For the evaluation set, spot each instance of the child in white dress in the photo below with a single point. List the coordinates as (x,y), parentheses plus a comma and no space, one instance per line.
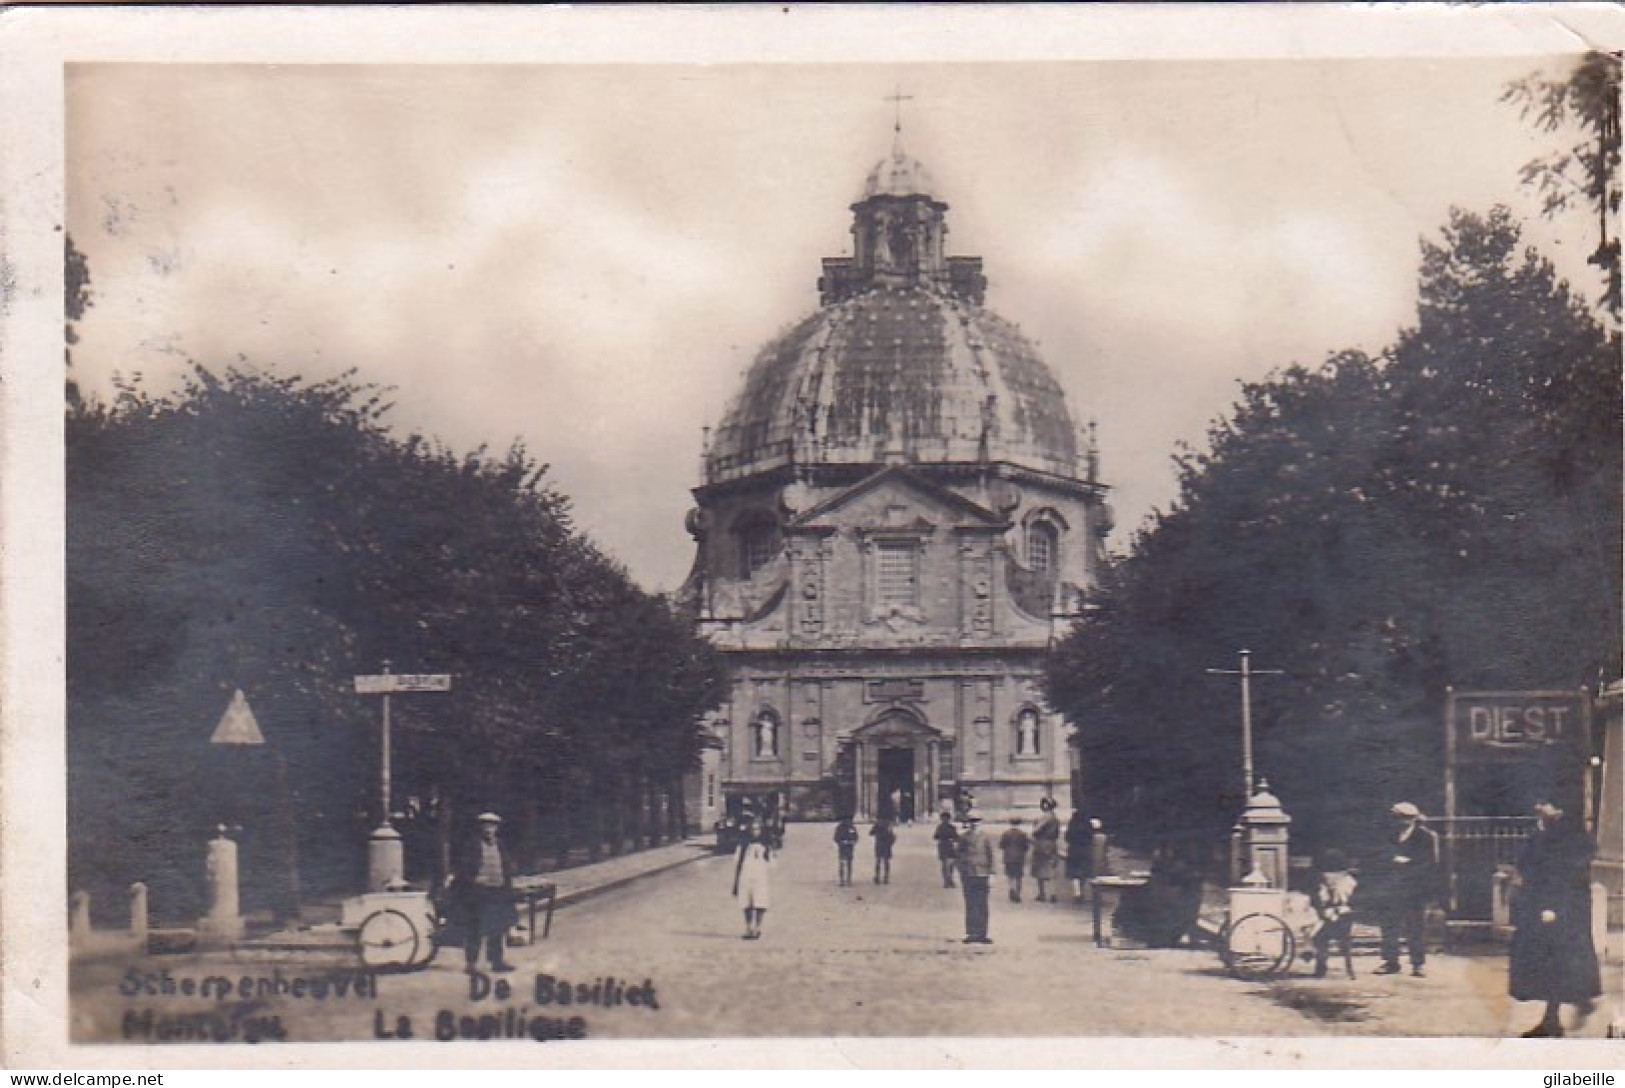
(751,883)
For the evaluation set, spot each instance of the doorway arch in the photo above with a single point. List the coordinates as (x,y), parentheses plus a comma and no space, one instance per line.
(896,765)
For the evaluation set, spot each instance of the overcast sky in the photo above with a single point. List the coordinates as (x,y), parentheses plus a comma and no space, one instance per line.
(586,258)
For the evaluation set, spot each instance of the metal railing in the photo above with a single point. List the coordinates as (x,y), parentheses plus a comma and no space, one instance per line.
(1473,846)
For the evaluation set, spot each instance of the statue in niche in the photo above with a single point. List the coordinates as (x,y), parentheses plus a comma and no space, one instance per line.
(1027,733)
(883,257)
(767,736)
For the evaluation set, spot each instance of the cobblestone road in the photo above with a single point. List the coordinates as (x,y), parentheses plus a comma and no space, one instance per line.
(861,961)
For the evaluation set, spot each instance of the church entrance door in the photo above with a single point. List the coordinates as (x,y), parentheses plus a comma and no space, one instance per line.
(896,784)
(895,769)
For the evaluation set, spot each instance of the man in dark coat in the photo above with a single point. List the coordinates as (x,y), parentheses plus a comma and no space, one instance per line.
(482,895)
(1408,872)
(1553,959)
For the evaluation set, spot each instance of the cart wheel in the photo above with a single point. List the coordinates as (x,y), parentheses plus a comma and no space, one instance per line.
(429,944)
(1258,946)
(388,940)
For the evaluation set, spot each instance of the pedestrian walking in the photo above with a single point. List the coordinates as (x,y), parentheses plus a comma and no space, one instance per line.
(752,877)
(1407,873)
(947,840)
(481,896)
(1333,900)
(1046,849)
(846,845)
(1013,847)
(975,877)
(1079,853)
(885,837)
(1553,958)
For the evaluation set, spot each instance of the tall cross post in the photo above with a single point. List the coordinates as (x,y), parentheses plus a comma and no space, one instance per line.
(1246,672)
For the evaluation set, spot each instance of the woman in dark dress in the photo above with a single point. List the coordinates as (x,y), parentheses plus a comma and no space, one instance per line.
(1552,955)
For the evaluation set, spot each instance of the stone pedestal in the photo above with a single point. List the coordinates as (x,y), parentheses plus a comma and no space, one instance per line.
(224,922)
(386,860)
(1267,838)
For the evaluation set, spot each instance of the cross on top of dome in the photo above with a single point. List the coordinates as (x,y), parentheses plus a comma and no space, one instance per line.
(898,174)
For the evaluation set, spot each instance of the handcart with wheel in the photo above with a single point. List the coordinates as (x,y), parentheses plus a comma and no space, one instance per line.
(395,930)
(403,929)
(1268,929)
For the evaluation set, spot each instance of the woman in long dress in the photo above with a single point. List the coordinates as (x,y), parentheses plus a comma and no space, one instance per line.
(1553,959)
(1046,849)
(752,869)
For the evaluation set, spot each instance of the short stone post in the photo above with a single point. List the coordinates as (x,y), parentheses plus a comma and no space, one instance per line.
(138,913)
(1501,901)
(1099,850)
(224,922)
(1599,920)
(79,916)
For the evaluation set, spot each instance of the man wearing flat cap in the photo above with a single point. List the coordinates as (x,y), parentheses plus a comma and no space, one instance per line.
(975,876)
(1409,867)
(482,895)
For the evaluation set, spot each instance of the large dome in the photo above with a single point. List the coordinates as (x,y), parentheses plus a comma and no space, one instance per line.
(902,360)
(894,369)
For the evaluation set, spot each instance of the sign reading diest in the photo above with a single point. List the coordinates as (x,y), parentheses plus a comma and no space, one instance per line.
(1493,726)
(390,683)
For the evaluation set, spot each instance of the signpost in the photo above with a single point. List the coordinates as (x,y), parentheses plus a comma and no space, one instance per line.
(386,861)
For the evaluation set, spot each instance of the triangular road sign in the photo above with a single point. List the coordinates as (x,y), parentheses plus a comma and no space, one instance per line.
(237,724)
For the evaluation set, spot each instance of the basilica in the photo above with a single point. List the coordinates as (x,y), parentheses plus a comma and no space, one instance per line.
(897,515)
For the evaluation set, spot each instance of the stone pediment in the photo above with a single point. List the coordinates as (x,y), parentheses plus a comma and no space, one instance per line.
(896,499)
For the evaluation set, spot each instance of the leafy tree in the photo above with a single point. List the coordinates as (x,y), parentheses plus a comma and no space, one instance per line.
(1588,170)
(266,533)
(1377,529)
(76,299)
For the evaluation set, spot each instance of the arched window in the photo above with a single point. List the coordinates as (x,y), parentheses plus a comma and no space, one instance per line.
(1027,732)
(1043,547)
(765,736)
(758,544)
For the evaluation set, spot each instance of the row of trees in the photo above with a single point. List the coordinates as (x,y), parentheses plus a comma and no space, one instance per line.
(1447,513)
(272,534)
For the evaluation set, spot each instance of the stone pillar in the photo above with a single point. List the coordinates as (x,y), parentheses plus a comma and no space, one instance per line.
(138,913)
(1608,868)
(224,922)
(1501,901)
(1267,837)
(79,916)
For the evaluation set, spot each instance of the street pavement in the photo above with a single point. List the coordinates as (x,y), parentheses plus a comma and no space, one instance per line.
(666,954)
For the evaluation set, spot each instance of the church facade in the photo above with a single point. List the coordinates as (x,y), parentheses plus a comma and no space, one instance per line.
(897,515)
